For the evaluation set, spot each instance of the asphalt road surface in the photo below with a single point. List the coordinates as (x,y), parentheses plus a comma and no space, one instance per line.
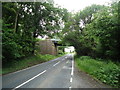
(57,73)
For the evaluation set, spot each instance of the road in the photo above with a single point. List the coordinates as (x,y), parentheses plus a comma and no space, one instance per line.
(57,73)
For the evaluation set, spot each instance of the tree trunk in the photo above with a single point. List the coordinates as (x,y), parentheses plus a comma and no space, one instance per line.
(16,22)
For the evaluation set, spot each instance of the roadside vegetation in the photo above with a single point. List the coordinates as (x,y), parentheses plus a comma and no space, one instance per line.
(22,23)
(104,70)
(27,62)
(94,32)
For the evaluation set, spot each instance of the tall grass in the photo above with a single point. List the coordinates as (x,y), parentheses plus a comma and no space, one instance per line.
(106,71)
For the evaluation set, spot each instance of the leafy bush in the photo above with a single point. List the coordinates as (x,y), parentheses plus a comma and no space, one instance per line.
(10,48)
(109,74)
(106,71)
(14,46)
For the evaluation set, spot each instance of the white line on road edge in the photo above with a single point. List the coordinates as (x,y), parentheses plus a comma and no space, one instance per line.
(56,63)
(29,80)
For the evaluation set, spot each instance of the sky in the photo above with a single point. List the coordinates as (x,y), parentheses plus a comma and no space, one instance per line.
(76,5)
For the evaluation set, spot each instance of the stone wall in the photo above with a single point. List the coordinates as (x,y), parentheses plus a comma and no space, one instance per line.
(46,47)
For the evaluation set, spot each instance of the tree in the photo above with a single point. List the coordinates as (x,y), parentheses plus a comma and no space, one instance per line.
(106,29)
(23,22)
(78,35)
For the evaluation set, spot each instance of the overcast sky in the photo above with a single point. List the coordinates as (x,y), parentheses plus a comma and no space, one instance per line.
(79,4)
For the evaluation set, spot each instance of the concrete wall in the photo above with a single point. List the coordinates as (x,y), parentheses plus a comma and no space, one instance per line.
(46,47)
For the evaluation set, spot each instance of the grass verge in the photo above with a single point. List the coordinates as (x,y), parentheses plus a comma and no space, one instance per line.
(104,70)
(27,62)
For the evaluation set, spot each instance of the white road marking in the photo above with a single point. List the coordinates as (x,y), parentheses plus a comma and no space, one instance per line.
(70,88)
(72,71)
(72,68)
(56,63)
(67,62)
(34,66)
(66,67)
(29,80)
(71,79)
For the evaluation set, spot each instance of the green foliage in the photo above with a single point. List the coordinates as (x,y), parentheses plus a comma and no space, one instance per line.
(109,74)
(95,31)
(108,31)
(26,62)
(98,37)
(11,49)
(23,22)
(106,71)
(77,35)
(14,46)
(61,49)
(86,14)
(81,42)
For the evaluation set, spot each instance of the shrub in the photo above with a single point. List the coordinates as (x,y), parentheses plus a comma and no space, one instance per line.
(109,74)
(105,70)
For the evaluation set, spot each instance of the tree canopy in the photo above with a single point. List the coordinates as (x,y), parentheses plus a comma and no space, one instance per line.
(23,22)
(96,31)
(93,31)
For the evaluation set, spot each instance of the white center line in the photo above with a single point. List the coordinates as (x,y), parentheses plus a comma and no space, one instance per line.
(72,67)
(67,61)
(56,63)
(69,88)
(71,79)
(72,71)
(29,80)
